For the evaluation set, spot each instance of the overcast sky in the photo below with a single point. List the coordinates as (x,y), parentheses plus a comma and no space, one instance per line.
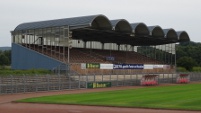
(176,14)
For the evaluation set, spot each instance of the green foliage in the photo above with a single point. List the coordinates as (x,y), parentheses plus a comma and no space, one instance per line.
(4,60)
(5,57)
(186,97)
(7,72)
(190,49)
(196,69)
(186,62)
(7,53)
(181,69)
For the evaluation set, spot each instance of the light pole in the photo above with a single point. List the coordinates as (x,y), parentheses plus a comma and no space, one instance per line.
(69,44)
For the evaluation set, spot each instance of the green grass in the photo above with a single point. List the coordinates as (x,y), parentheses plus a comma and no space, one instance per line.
(186,97)
(8,72)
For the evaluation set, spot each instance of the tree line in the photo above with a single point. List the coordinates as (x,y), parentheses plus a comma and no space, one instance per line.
(5,58)
(188,55)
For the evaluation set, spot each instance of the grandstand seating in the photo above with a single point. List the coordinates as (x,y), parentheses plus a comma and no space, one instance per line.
(81,55)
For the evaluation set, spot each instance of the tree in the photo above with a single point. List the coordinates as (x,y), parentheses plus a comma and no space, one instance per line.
(7,53)
(186,62)
(190,49)
(4,60)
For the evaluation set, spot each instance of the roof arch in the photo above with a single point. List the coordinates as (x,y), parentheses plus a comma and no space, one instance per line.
(183,36)
(140,29)
(121,25)
(156,31)
(93,21)
(170,34)
(101,22)
(118,31)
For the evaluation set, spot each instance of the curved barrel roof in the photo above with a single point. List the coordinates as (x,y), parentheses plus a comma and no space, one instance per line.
(156,31)
(170,34)
(120,31)
(183,36)
(140,29)
(94,21)
(121,25)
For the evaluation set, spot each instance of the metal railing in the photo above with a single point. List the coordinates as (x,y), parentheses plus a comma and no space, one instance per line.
(35,83)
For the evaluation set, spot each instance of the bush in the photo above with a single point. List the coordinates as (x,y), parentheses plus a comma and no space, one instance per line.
(5,72)
(186,62)
(181,69)
(196,69)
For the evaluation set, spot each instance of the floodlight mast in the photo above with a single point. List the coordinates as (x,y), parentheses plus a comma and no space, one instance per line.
(69,44)
(68,36)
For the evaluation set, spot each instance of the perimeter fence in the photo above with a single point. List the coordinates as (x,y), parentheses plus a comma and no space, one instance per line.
(36,83)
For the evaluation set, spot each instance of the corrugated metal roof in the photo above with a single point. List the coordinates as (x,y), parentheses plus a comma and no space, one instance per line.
(121,25)
(170,34)
(124,31)
(75,22)
(183,36)
(156,31)
(140,28)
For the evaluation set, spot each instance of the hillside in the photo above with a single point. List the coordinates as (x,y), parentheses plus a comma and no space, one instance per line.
(5,48)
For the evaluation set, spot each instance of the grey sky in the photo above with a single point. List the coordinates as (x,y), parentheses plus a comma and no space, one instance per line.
(177,14)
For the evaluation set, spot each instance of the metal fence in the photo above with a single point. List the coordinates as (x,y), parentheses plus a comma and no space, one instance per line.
(35,83)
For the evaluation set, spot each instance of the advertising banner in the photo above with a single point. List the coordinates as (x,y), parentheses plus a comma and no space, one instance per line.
(158,66)
(106,66)
(83,65)
(128,66)
(166,67)
(99,84)
(110,58)
(148,66)
(92,65)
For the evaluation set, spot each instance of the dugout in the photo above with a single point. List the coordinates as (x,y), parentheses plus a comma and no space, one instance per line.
(183,78)
(149,80)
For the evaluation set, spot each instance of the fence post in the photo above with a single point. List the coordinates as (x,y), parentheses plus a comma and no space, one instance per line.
(24,82)
(110,78)
(172,78)
(117,80)
(102,77)
(168,78)
(124,80)
(86,81)
(15,87)
(69,75)
(48,82)
(36,78)
(94,78)
(130,77)
(59,82)
(0,85)
(79,82)
(11,84)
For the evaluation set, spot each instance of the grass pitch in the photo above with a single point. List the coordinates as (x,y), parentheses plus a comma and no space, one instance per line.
(185,97)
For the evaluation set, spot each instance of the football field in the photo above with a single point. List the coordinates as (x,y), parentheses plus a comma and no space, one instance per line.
(185,97)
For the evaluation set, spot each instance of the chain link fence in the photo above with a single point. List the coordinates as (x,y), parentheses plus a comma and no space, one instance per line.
(35,83)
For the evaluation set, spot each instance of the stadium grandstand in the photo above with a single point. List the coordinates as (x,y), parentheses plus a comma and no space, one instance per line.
(95,44)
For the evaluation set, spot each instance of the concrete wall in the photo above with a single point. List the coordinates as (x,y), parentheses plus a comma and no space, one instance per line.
(24,58)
